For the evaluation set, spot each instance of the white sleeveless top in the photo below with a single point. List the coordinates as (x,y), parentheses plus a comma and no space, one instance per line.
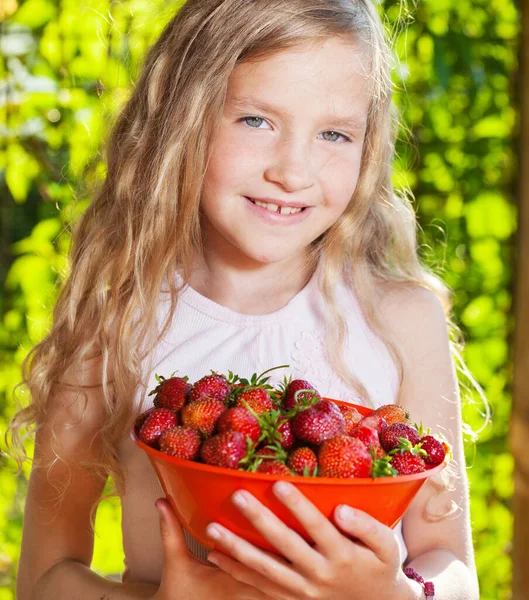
(205,335)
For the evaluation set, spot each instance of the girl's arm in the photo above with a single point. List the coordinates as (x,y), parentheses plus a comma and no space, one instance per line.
(439,549)
(57,540)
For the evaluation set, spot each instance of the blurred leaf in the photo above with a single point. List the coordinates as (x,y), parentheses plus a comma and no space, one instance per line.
(35,13)
(490,214)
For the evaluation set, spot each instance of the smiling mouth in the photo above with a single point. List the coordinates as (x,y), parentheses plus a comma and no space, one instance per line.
(274,208)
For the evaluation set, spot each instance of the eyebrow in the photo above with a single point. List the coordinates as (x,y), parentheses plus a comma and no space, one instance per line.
(355,122)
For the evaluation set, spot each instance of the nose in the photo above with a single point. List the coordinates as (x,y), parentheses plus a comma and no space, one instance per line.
(291,166)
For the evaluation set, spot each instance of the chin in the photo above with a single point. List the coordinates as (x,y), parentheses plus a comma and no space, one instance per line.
(270,257)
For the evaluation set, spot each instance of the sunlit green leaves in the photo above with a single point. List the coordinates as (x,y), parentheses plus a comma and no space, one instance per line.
(35,13)
(492,214)
(21,170)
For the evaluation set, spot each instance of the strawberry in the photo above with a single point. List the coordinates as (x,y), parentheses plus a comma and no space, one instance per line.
(286,434)
(367,435)
(213,386)
(155,424)
(276,429)
(171,393)
(351,416)
(318,423)
(344,457)
(382,467)
(255,398)
(292,397)
(240,419)
(303,461)
(272,452)
(203,415)
(380,453)
(374,421)
(390,436)
(273,467)
(393,413)
(226,449)
(181,442)
(407,463)
(255,395)
(140,419)
(435,450)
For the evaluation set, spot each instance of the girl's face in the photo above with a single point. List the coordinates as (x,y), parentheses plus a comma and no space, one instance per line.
(291,137)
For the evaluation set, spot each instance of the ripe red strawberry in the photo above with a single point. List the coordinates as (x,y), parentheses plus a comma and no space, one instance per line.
(286,435)
(255,398)
(290,399)
(155,424)
(303,461)
(140,419)
(393,413)
(389,437)
(380,453)
(374,421)
(273,467)
(225,449)
(407,463)
(276,429)
(181,442)
(273,452)
(213,386)
(351,416)
(203,415)
(318,423)
(240,419)
(344,457)
(171,393)
(435,450)
(367,435)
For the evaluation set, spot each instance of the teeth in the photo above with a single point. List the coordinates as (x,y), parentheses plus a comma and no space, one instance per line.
(283,210)
(287,210)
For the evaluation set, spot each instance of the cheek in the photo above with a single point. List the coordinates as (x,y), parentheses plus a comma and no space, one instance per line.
(233,159)
(338,179)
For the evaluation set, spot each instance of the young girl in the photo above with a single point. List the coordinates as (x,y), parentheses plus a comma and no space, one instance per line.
(247,220)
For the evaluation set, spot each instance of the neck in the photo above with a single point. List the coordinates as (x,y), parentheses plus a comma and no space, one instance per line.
(247,286)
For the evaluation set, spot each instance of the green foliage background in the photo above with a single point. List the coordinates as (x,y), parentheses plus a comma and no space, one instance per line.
(67,67)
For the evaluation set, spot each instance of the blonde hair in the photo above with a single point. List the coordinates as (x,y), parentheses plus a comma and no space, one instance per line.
(124,250)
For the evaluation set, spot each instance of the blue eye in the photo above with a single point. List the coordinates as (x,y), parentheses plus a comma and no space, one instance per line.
(255,125)
(335,133)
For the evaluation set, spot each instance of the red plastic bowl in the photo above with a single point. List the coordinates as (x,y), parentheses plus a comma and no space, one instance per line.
(200,494)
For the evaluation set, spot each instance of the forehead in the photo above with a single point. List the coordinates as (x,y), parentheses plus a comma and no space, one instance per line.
(330,76)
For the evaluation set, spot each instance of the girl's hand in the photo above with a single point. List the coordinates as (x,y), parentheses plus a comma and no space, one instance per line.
(336,567)
(186,578)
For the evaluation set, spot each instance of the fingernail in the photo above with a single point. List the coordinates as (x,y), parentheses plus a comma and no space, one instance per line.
(213,532)
(345,513)
(282,488)
(213,560)
(158,505)
(239,499)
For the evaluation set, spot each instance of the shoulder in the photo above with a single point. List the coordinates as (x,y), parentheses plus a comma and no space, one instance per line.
(405,299)
(412,314)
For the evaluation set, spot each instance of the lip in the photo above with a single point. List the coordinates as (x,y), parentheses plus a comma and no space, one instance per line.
(275,218)
(279,202)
